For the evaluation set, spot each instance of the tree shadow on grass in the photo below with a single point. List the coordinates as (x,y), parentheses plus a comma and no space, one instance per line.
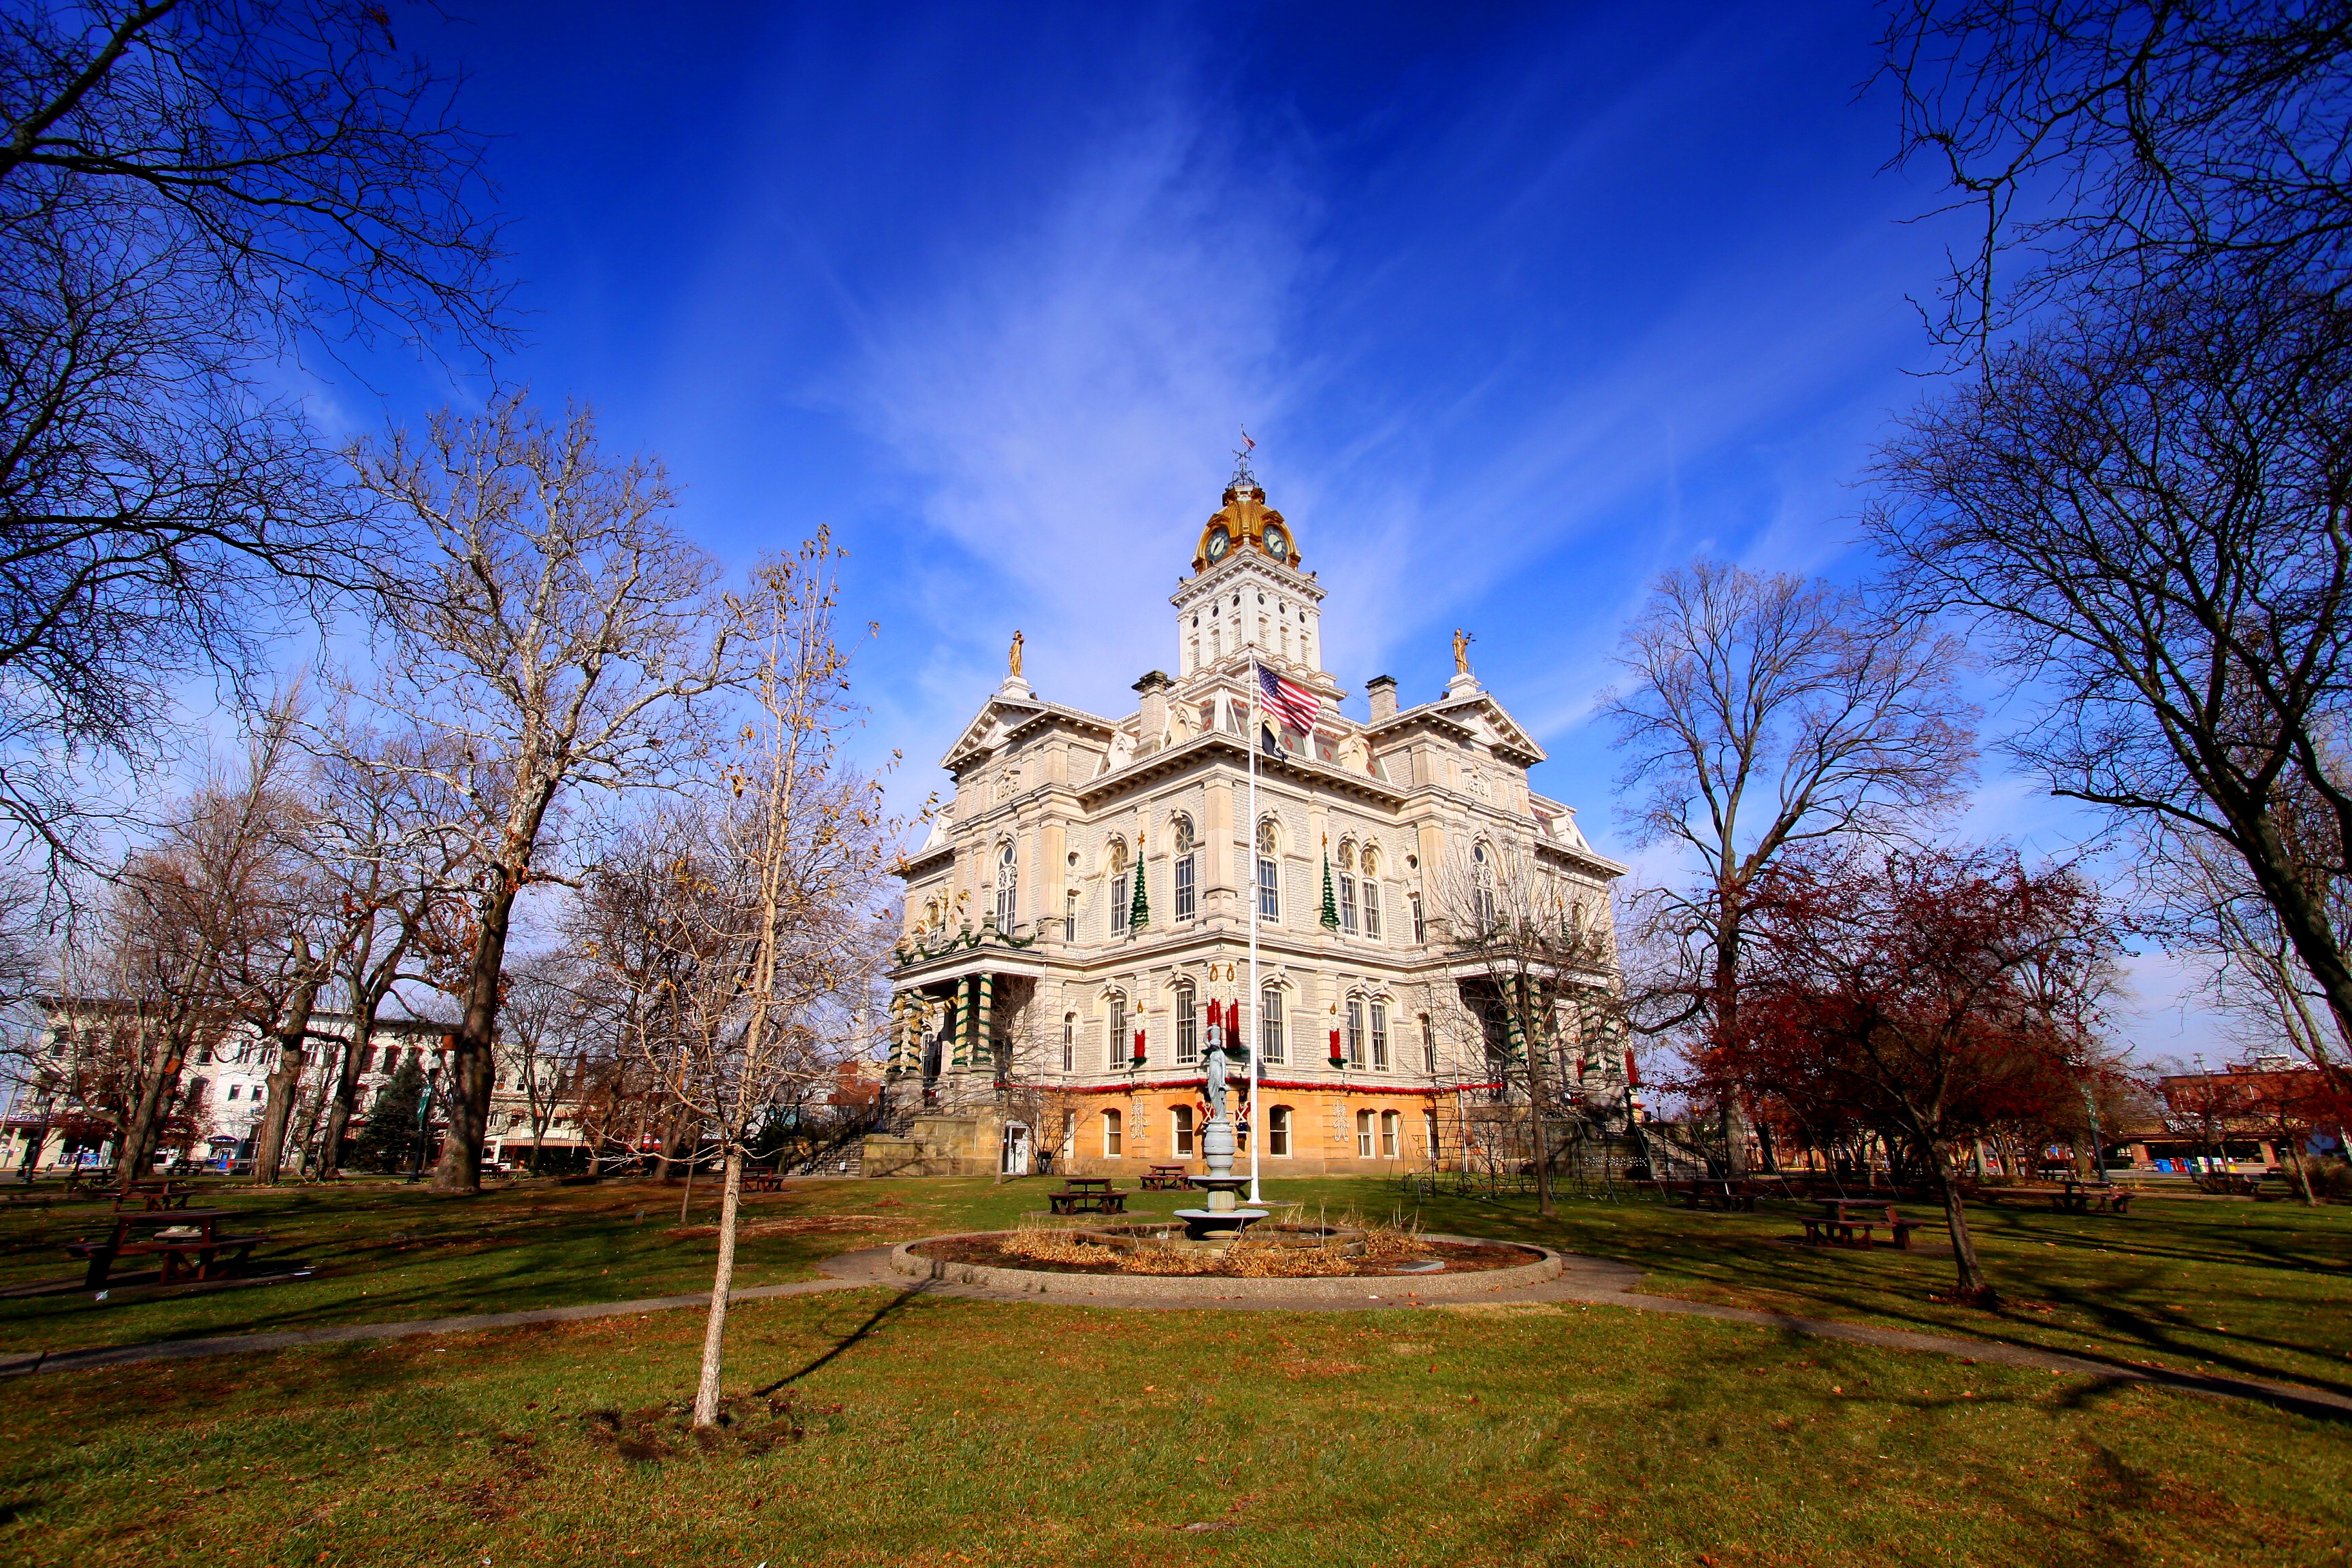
(840,1347)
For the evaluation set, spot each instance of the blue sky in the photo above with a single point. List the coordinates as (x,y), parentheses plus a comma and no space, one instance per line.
(1522,304)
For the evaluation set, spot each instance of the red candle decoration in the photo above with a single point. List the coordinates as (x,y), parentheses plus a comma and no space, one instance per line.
(1138,1045)
(1335,1047)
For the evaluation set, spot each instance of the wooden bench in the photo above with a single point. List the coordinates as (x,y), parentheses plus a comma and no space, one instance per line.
(1166,1179)
(1839,1227)
(1087,1201)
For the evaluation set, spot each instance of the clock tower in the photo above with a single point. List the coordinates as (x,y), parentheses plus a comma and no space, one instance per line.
(1247,596)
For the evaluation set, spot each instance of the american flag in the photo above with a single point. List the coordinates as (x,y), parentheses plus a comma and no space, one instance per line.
(1288,701)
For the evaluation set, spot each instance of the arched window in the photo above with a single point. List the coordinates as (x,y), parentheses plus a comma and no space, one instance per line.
(1363,1135)
(1008,886)
(1269,886)
(1269,1024)
(1117,1031)
(1347,854)
(1380,1037)
(1188,1027)
(1348,885)
(1355,1031)
(1482,888)
(1180,1125)
(1069,1042)
(1277,1131)
(1111,1141)
(1186,864)
(1119,888)
(1389,1134)
(1371,862)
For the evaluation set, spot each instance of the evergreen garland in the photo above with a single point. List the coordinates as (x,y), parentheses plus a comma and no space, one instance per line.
(1139,912)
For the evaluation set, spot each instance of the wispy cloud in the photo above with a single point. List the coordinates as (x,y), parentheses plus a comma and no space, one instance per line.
(1066,401)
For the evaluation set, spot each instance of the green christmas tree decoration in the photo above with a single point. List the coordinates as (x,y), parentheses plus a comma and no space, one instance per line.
(1139,913)
(1330,916)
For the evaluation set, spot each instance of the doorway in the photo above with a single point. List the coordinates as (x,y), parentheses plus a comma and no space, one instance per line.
(1012,1151)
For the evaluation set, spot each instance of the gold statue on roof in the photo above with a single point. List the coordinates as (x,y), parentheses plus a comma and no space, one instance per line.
(1012,655)
(1461,651)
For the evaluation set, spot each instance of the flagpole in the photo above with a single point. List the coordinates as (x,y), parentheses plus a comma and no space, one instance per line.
(1257,1038)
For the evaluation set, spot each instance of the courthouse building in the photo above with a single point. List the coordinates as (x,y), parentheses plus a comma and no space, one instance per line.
(1080,913)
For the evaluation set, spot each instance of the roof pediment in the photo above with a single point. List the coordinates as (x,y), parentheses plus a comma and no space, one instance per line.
(1006,715)
(1473,713)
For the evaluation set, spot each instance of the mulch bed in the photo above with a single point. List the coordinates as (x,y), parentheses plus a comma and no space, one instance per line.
(988,1251)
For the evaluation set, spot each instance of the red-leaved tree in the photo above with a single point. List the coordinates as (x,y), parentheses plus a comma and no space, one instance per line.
(1932,995)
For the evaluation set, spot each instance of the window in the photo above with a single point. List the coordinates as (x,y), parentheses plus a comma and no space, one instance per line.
(1277,1131)
(1118,1033)
(1118,887)
(1363,1134)
(1428,1135)
(1180,1124)
(1269,895)
(1187,863)
(1482,888)
(1380,1037)
(1069,1042)
(203,1056)
(1372,909)
(1008,886)
(1070,916)
(1388,1134)
(1419,926)
(1371,862)
(1188,1027)
(1355,1032)
(1269,1024)
(261,1092)
(1428,1045)
(1347,903)
(1110,1134)
(235,1090)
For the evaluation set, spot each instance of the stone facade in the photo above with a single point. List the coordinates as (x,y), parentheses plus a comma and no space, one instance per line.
(1044,1001)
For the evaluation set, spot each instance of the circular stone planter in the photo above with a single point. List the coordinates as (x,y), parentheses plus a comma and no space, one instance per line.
(1542,1264)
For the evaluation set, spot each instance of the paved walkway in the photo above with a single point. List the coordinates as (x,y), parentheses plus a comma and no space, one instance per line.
(1589,1280)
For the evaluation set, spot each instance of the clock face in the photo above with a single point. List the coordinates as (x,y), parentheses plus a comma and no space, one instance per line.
(1219,543)
(1277,544)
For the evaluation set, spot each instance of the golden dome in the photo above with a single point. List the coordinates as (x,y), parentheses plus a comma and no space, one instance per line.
(1245,521)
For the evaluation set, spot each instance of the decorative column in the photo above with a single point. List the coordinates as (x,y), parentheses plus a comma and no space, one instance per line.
(984,1035)
(959,1006)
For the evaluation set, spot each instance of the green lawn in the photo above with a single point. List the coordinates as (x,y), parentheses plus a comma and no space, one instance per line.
(2256,1288)
(946,1432)
(939,1431)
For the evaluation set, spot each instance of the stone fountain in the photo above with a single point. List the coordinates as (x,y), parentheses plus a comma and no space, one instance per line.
(1222,1222)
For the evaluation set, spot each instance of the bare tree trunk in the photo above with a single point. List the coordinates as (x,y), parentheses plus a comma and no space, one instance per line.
(1538,1044)
(714,1331)
(284,1080)
(306,1141)
(1972,1287)
(140,1139)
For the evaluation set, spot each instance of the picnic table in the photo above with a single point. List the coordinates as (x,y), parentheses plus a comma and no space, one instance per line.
(762,1182)
(2228,1184)
(152,1195)
(1723,1195)
(206,1254)
(2072,1198)
(1850,1222)
(1087,1194)
(1166,1179)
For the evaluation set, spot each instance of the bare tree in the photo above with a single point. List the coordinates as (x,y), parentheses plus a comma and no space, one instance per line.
(2144,509)
(1760,714)
(553,637)
(2098,149)
(1535,945)
(545,1015)
(191,192)
(772,893)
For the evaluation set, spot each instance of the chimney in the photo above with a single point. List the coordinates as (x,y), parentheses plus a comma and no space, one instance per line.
(1380,690)
(1154,688)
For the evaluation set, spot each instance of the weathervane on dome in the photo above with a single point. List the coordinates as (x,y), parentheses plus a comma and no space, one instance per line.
(1243,473)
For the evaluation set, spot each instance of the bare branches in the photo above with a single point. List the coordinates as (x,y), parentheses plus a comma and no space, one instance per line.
(2110,147)
(190,192)
(552,636)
